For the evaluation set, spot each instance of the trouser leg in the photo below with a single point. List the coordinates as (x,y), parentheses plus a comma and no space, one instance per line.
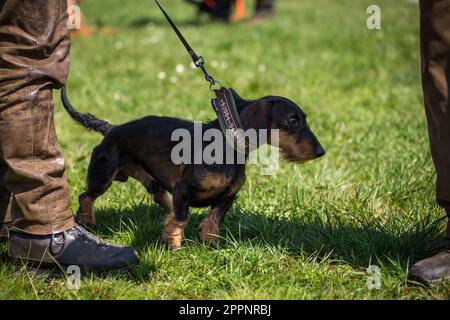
(223,9)
(435,50)
(265,6)
(447,232)
(5,195)
(34,59)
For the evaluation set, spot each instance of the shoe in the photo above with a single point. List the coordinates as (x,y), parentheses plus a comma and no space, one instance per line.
(433,269)
(74,246)
(437,267)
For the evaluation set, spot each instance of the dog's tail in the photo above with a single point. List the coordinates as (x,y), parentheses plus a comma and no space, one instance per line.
(87,120)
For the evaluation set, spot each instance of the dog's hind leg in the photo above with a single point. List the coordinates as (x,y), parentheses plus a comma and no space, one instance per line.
(160,195)
(163,198)
(173,233)
(101,173)
(209,228)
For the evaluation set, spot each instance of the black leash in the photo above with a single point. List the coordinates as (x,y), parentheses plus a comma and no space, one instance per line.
(224,104)
(198,60)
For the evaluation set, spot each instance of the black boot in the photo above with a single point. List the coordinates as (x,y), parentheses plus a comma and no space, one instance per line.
(75,246)
(435,268)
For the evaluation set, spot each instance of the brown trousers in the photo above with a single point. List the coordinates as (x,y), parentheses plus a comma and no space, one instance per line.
(34,59)
(435,49)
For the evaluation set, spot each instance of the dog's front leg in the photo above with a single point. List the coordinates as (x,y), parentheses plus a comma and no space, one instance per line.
(173,233)
(209,228)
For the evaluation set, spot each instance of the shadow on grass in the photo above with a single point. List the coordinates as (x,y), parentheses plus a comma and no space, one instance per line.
(357,244)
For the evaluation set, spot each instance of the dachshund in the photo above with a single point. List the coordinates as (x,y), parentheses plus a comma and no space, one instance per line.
(142,149)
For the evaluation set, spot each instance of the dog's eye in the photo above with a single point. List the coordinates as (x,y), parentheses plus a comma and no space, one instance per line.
(294,120)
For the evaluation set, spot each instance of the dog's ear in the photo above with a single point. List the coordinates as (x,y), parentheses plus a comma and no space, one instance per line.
(237,98)
(241,103)
(257,115)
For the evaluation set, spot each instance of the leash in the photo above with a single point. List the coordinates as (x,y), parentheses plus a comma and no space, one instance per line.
(198,60)
(223,104)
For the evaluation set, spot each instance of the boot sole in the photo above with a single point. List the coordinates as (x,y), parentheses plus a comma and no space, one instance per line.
(427,282)
(58,271)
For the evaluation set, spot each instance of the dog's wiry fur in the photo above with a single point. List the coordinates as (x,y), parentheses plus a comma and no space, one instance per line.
(141,149)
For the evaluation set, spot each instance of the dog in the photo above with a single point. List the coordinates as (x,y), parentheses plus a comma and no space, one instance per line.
(141,149)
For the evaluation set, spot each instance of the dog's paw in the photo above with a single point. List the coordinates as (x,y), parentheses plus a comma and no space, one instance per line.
(173,233)
(209,240)
(208,232)
(87,220)
(172,244)
(173,247)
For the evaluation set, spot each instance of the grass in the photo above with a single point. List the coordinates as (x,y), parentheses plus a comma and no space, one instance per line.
(310,231)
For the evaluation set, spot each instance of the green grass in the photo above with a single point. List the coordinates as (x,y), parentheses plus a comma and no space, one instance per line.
(308,232)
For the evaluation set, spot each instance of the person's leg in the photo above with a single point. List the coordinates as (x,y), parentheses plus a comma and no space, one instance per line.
(264,9)
(216,9)
(222,10)
(435,50)
(28,144)
(435,45)
(447,232)
(5,195)
(34,59)
(78,23)
(239,13)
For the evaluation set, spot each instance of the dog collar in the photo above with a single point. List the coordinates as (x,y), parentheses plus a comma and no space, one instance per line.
(229,120)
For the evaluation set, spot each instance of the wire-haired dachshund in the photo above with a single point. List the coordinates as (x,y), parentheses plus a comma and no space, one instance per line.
(142,148)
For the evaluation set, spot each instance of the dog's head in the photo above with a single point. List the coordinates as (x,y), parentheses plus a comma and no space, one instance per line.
(296,140)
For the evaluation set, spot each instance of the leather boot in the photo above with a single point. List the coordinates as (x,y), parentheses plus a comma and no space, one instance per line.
(435,268)
(74,246)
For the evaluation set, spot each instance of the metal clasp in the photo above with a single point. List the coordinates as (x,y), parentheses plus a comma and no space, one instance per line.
(200,63)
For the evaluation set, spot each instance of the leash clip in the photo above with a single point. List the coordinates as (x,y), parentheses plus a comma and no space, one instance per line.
(200,63)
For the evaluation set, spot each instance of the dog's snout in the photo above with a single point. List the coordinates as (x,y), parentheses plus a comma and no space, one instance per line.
(319,150)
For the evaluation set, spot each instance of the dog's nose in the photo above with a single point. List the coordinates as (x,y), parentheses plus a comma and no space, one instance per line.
(319,151)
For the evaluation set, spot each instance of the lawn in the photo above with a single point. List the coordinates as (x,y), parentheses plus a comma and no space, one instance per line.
(307,232)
